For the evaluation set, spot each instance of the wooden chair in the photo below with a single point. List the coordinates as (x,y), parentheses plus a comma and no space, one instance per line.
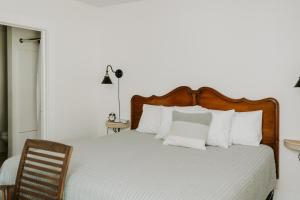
(41,173)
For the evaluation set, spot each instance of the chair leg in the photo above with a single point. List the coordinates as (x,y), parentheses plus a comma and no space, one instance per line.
(3,194)
(10,193)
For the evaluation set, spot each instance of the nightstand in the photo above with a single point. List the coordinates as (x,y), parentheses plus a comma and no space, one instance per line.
(293,145)
(117,126)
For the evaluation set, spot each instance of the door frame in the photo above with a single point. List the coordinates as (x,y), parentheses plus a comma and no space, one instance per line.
(44,76)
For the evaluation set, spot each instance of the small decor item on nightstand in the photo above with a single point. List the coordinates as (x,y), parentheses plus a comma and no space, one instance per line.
(112,117)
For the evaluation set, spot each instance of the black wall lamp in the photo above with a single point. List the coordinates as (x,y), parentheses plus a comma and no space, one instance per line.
(106,80)
(298,83)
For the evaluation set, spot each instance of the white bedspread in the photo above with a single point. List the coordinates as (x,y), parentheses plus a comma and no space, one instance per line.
(138,167)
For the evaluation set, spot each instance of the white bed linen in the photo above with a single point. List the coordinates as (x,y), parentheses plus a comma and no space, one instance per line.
(139,167)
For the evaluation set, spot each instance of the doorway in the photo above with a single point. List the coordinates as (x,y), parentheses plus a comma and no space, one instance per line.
(20,88)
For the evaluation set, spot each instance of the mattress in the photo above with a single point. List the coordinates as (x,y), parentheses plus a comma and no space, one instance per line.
(133,166)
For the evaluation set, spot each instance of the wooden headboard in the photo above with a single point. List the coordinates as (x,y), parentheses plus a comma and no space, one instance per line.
(212,99)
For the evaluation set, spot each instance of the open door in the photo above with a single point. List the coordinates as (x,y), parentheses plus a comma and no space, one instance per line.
(23,88)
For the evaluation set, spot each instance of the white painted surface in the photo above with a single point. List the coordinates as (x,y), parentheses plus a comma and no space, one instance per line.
(22,59)
(241,48)
(106,2)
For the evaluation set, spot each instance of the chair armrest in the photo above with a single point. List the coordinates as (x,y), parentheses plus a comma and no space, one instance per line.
(6,186)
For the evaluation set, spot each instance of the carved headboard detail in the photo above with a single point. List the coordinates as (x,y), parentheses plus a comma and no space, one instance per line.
(212,99)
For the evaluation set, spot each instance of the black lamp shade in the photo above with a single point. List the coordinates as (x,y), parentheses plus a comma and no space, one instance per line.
(298,83)
(106,80)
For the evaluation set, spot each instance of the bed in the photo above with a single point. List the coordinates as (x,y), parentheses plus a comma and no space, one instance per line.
(135,166)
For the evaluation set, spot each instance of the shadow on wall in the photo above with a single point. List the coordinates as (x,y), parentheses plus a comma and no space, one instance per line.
(3,95)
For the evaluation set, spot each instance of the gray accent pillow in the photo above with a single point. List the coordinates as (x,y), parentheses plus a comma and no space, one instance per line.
(201,118)
(192,125)
(189,129)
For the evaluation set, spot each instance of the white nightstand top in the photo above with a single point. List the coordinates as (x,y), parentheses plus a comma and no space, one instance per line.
(119,125)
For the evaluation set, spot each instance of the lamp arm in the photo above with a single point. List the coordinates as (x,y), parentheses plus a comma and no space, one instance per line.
(107,68)
(118,73)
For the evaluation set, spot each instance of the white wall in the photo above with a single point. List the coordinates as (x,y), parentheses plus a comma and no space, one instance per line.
(106,2)
(72,60)
(241,48)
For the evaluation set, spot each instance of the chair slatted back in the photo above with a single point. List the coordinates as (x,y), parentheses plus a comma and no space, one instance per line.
(42,170)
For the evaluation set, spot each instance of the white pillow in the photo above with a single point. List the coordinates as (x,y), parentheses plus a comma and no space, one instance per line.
(150,120)
(166,117)
(247,128)
(219,132)
(166,122)
(189,130)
